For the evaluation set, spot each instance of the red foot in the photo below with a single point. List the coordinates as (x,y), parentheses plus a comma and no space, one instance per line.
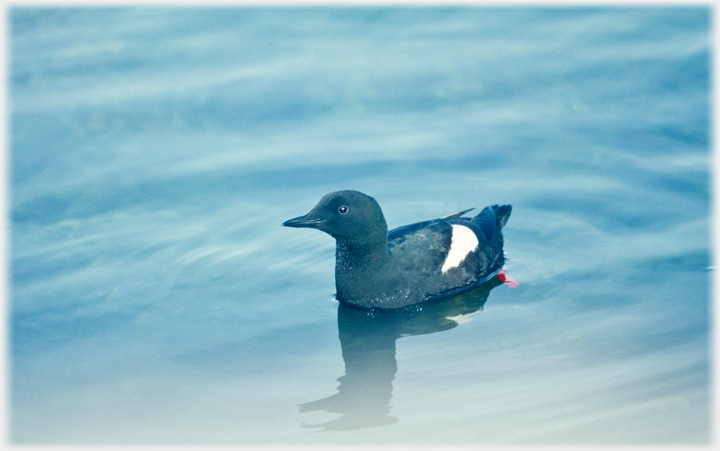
(506,279)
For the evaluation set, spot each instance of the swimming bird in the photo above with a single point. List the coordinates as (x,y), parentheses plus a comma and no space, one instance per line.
(411,264)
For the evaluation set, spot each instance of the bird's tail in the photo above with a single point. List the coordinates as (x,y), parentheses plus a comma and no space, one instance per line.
(502,214)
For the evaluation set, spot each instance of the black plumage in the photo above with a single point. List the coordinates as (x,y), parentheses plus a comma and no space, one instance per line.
(410,264)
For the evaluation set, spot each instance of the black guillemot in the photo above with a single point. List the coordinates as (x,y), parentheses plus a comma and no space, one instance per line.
(411,264)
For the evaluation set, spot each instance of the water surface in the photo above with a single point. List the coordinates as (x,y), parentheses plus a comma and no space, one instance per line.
(154,153)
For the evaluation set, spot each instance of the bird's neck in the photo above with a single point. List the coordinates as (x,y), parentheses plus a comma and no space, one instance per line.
(359,269)
(366,255)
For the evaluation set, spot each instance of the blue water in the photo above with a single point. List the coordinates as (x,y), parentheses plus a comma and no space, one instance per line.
(154,153)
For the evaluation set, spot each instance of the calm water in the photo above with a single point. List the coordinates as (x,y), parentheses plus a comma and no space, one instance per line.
(154,153)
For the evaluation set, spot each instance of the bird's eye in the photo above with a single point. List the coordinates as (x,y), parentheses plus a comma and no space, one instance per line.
(342,209)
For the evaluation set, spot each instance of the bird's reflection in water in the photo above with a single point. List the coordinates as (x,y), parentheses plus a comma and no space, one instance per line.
(368,340)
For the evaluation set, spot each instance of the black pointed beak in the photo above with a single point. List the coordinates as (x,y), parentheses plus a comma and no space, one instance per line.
(303,221)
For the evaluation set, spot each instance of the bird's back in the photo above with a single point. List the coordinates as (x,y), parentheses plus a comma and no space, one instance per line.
(441,257)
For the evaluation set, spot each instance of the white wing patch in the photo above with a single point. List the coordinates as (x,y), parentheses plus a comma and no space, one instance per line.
(463,242)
